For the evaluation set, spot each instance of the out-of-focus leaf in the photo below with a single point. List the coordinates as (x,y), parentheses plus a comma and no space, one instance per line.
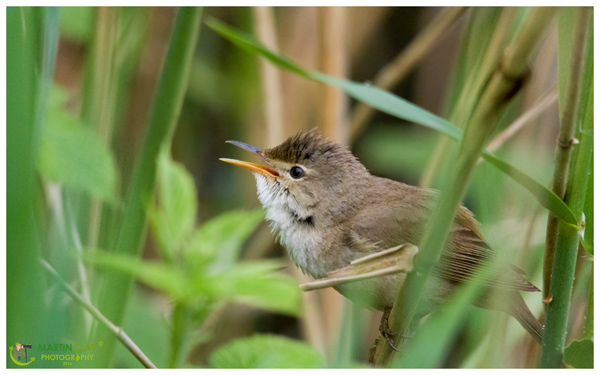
(72,155)
(395,106)
(142,313)
(77,23)
(173,220)
(266,351)
(161,276)
(256,284)
(220,239)
(580,354)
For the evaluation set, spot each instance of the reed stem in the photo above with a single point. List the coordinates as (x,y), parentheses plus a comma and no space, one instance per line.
(567,238)
(564,143)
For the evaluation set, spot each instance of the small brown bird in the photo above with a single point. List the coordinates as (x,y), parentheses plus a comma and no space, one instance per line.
(329,210)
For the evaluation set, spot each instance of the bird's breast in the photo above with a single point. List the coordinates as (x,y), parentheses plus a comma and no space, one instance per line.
(300,238)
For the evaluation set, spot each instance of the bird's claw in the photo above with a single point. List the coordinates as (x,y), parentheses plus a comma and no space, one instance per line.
(387,333)
(384,329)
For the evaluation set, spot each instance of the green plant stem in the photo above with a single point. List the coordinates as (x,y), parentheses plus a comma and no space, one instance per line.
(24,285)
(470,93)
(179,330)
(117,331)
(567,244)
(504,83)
(165,111)
(565,140)
(398,69)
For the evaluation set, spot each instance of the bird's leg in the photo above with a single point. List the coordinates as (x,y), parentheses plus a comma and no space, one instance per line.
(384,328)
(387,333)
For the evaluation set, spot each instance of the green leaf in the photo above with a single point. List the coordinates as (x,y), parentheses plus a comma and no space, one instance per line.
(219,241)
(257,284)
(580,354)
(266,351)
(72,155)
(251,45)
(395,106)
(391,104)
(545,196)
(158,275)
(174,217)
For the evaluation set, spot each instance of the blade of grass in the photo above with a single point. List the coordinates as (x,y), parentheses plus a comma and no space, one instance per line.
(163,118)
(31,49)
(395,106)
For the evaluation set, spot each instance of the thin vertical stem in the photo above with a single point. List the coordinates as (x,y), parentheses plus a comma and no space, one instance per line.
(335,64)
(264,26)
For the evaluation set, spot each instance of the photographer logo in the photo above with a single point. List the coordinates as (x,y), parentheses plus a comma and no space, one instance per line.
(18,354)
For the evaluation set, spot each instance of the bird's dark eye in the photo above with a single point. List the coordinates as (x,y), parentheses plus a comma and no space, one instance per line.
(297,172)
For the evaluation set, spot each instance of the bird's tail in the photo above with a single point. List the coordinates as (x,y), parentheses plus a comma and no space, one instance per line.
(524,316)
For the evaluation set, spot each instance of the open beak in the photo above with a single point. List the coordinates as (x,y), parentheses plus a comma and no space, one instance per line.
(253,167)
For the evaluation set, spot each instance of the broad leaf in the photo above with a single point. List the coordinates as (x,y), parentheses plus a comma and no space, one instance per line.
(219,240)
(257,284)
(174,217)
(580,354)
(266,351)
(158,275)
(73,155)
(393,105)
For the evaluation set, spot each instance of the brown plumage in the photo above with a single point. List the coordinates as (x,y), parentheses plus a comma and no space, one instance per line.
(328,210)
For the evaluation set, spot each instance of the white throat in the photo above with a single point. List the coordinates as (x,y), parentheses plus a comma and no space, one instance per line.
(293,225)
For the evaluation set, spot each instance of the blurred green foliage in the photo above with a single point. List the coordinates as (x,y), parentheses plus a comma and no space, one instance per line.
(266,351)
(201,268)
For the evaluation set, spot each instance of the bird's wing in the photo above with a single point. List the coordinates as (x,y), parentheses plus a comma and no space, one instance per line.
(466,251)
(389,224)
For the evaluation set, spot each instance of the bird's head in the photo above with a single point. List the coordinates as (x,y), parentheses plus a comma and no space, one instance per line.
(307,174)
